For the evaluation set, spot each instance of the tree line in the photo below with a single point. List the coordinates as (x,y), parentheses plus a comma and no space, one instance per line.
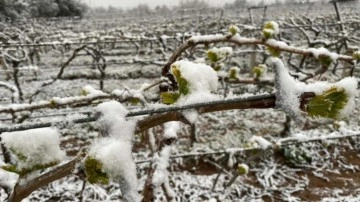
(13,9)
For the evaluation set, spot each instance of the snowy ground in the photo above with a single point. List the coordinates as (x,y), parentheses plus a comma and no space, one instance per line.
(324,170)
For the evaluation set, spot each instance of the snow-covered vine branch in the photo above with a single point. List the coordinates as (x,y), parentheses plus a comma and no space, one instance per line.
(241,41)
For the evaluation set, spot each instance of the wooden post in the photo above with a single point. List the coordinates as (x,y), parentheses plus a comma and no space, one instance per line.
(339,20)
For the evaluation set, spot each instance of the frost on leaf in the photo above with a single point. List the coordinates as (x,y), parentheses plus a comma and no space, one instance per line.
(331,100)
(216,54)
(33,149)
(328,104)
(234,73)
(259,71)
(233,29)
(335,101)
(297,155)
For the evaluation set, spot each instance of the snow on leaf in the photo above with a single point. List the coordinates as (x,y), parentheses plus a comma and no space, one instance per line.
(200,77)
(41,148)
(322,52)
(271,29)
(117,162)
(216,54)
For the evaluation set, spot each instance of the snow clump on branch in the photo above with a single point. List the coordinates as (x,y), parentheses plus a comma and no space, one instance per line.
(113,151)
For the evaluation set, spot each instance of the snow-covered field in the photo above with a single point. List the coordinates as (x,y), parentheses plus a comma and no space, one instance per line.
(314,159)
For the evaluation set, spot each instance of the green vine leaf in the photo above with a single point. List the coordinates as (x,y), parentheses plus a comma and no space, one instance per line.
(243,169)
(83,92)
(10,168)
(271,29)
(134,101)
(212,56)
(182,83)
(233,29)
(24,171)
(328,105)
(169,97)
(233,73)
(325,60)
(259,71)
(53,103)
(295,155)
(94,173)
(273,51)
(356,55)
(20,156)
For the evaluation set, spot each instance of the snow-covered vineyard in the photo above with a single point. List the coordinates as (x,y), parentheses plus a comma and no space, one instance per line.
(246,104)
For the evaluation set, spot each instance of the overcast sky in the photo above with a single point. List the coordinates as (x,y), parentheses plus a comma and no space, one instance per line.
(151,3)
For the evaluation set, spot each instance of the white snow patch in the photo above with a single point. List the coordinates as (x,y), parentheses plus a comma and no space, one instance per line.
(7,179)
(113,120)
(202,38)
(323,51)
(131,93)
(171,129)
(191,115)
(161,163)
(92,91)
(115,156)
(287,90)
(260,141)
(275,43)
(117,161)
(198,97)
(350,85)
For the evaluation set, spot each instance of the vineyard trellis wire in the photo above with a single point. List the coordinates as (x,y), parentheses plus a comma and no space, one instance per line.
(144,39)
